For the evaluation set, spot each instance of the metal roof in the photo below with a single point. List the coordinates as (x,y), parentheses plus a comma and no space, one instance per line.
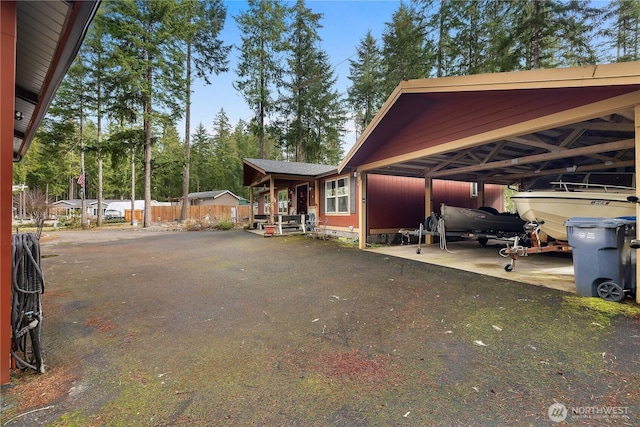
(505,127)
(49,35)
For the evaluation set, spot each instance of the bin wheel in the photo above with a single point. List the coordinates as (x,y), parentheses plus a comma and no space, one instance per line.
(610,291)
(508,267)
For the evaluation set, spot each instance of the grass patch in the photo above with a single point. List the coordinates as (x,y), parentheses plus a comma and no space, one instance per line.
(604,309)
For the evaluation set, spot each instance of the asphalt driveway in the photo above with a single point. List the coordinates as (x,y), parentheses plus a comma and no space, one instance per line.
(228,328)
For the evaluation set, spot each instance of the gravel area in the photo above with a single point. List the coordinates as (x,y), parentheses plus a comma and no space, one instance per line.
(164,328)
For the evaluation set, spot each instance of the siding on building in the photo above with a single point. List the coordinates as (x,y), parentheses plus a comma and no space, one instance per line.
(394,202)
(222,200)
(457,193)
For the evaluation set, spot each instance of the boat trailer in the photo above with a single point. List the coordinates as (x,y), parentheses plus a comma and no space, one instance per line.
(434,226)
(533,245)
(524,244)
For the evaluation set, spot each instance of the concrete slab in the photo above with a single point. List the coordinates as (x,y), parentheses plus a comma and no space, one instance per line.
(552,270)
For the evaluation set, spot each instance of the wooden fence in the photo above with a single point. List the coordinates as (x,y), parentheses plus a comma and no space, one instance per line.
(212,213)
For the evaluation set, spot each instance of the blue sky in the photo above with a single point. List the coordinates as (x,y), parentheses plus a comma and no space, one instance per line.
(345,23)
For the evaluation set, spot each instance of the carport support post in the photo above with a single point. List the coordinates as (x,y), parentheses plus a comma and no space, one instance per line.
(7,112)
(362,212)
(637,131)
(428,205)
(480,198)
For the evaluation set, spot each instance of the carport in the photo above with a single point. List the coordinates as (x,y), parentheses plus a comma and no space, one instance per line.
(502,128)
(38,42)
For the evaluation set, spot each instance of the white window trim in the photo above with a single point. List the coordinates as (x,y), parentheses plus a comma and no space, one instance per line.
(474,189)
(347,187)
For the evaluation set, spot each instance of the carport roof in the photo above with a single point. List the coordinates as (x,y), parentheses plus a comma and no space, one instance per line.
(49,34)
(504,127)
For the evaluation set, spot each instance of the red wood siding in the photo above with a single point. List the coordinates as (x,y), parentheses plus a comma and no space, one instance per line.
(449,117)
(339,220)
(456,193)
(394,202)
(398,202)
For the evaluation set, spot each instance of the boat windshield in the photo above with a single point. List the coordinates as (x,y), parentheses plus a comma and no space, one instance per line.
(584,181)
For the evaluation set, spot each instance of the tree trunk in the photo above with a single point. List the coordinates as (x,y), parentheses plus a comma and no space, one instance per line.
(146,220)
(187,148)
(133,184)
(536,35)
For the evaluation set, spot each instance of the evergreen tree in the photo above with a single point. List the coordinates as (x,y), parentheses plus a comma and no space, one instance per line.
(406,51)
(227,165)
(312,115)
(95,55)
(203,21)
(168,155)
(551,33)
(259,66)
(151,58)
(365,93)
(623,32)
(201,153)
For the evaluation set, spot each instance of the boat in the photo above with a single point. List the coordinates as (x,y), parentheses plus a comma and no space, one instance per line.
(586,195)
(481,224)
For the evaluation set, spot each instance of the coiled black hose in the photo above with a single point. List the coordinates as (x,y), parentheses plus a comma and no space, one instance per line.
(26,301)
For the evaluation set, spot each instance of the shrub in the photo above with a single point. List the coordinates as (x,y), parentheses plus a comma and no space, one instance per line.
(224,224)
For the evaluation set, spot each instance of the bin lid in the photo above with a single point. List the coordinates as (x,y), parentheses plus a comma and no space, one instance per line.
(597,222)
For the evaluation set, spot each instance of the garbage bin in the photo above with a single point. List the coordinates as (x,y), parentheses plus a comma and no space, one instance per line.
(602,256)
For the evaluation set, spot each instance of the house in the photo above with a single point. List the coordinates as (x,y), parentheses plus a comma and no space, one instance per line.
(285,188)
(394,202)
(213,198)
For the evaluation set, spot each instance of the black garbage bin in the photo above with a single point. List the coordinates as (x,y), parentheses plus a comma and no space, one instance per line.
(602,258)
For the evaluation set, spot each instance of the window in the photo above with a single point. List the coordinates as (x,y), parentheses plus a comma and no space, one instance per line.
(337,196)
(283,202)
(267,204)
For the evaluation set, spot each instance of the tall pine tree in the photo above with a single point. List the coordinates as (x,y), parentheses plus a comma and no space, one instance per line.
(259,66)
(150,56)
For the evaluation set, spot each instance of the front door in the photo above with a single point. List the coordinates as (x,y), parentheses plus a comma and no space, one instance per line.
(301,201)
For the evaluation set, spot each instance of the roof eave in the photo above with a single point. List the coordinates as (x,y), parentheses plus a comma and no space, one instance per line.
(79,19)
(624,73)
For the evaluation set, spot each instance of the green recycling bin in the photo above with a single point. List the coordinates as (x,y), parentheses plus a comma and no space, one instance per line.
(602,256)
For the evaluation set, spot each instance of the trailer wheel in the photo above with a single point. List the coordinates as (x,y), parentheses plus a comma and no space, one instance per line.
(483,241)
(418,251)
(610,291)
(508,267)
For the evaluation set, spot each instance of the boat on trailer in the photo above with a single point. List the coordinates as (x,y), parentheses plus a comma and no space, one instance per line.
(482,224)
(600,195)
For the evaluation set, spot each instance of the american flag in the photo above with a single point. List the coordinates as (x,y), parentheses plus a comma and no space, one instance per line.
(81,180)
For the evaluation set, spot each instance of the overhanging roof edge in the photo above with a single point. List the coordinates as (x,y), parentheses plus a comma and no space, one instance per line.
(80,18)
(624,73)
